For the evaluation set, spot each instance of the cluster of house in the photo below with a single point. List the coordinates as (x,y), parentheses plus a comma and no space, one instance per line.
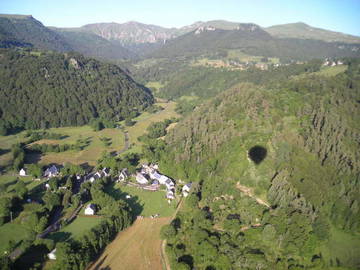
(149,175)
(51,171)
(331,63)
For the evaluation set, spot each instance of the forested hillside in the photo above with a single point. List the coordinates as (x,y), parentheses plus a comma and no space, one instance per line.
(25,31)
(39,90)
(275,171)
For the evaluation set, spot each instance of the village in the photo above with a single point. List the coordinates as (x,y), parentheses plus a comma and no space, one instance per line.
(147,178)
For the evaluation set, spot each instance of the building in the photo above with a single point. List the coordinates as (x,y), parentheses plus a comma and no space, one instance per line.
(124,174)
(186,189)
(51,172)
(170,195)
(141,179)
(52,254)
(22,172)
(90,209)
(105,172)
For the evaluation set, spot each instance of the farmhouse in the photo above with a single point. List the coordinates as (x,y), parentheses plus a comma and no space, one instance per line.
(170,195)
(105,172)
(123,175)
(51,172)
(90,209)
(22,172)
(141,179)
(186,189)
(52,254)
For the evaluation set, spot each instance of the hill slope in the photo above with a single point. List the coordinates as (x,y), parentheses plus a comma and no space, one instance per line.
(50,90)
(252,40)
(304,31)
(93,45)
(276,177)
(20,30)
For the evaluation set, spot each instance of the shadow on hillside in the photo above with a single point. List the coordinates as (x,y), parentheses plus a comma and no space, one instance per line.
(4,151)
(257,154)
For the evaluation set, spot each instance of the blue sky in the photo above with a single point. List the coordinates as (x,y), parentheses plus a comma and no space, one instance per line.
(337,15)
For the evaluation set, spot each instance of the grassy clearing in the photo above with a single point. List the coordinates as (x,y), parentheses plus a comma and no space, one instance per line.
(145,119)
(138,247)
(75,229)
(325,71)
(155,85)
(344,247)
(11,231)
(143,202)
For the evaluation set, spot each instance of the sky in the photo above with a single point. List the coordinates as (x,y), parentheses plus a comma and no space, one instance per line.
(336,15)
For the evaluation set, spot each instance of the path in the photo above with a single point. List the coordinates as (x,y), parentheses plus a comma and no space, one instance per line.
(127,143)
(248,192)
(164,257)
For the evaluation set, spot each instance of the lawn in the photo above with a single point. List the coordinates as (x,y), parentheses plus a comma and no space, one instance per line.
(143,202)
(75,229)
(324,71)
(138,247)
(155,85)
(11,231)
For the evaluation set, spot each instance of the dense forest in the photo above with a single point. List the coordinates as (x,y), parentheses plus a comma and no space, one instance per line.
(41,90)
(275,172)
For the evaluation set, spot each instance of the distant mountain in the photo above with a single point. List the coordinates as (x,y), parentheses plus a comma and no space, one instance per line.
(23,30)
(131,32)
(252,40)
(93,45)
(48,89)
(304,31)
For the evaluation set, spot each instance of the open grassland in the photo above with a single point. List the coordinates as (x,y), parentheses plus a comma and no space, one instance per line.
(76,229)
(138,247)
(90,154)
(143,202)
(145,119)
(325,71)
(155,85)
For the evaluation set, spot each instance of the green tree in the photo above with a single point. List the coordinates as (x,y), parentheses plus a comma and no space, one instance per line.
(21,189)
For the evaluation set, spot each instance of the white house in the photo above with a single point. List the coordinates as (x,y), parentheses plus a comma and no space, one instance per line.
(51,172)
(90,209)
(105,172)
(141,179)
(22,172)
(186,189)
(123,175)
(52,254)
(169,184)
(170,195)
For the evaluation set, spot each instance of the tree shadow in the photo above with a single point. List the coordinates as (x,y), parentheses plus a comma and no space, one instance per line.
(4,151)
(98,265)
(188,259)
(257,154)
(59,236)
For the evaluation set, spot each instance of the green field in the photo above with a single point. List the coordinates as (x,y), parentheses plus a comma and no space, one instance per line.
(145,119)
(143,202)
(89,154)
(325,71)
(11,231)
(75,229)
(154,85)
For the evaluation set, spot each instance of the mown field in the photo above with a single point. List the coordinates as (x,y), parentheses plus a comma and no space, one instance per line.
(138,247)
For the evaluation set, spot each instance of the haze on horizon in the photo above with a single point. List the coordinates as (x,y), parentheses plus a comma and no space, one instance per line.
(335,15)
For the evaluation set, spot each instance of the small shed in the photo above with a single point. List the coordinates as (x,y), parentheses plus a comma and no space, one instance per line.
(52,254)
(22,172)
(90,209)
(51,172)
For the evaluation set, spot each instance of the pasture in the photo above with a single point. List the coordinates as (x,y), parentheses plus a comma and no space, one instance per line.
(137,247)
